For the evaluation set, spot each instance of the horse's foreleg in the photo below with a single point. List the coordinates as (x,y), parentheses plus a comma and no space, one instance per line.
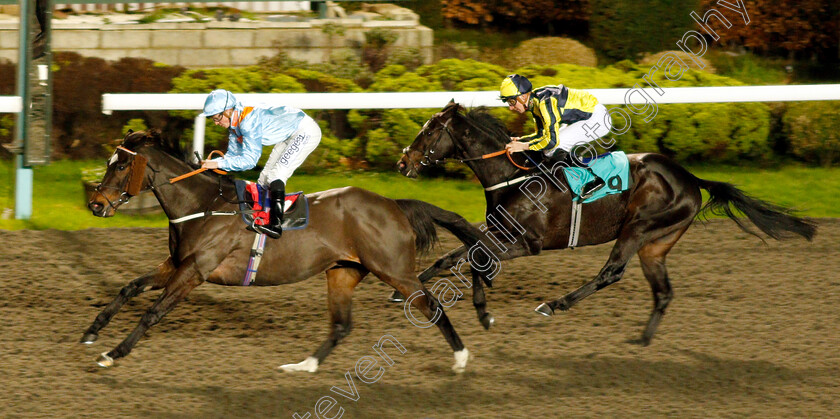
(155,279)
(184,280)
(480,300)
(444,262)
(340,285)
(478,279)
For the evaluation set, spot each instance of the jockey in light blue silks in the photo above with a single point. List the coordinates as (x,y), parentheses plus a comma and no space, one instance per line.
(292,133)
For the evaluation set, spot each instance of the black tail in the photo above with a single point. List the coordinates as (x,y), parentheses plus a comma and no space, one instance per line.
(423,217)
(772,219)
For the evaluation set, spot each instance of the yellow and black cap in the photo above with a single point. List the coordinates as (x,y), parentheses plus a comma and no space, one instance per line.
(513,86)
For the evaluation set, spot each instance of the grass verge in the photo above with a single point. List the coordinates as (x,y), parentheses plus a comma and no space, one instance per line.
(59,200)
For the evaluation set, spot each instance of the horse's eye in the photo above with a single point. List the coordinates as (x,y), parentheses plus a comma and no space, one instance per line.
(121,167)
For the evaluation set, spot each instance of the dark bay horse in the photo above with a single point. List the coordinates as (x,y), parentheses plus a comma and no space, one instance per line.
(352,232)
(647,219)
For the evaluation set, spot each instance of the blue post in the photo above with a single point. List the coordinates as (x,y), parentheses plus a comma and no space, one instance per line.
(23,189)
(23,175)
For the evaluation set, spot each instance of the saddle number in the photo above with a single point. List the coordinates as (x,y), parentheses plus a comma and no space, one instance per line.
(614,183)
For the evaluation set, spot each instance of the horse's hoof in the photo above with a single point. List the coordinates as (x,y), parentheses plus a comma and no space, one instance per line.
(487,320)
(396,297)
(545,310)
(104,360)
(461,358)
(308,365)
(88,338)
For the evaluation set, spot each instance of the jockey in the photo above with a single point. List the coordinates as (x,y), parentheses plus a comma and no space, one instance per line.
(292,133)
(564,117)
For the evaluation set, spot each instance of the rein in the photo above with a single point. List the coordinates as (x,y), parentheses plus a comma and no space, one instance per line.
(199,170)
(495,154)
(427,160)
(134,181)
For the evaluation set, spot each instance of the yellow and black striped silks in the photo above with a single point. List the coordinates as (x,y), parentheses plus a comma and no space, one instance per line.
(555,105)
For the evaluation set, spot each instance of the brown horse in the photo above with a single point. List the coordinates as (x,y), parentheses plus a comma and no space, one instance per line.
(530,210)
(352,232)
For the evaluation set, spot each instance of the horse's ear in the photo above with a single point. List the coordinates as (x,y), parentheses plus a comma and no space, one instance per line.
(451,106)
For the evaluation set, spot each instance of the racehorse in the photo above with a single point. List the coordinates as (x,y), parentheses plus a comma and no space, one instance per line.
(352,232)
(647,219)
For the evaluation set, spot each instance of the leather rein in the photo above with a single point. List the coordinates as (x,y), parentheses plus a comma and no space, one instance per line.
(427,159)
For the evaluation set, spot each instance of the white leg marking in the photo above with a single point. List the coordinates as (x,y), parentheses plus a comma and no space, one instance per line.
(308,365)
(461,358)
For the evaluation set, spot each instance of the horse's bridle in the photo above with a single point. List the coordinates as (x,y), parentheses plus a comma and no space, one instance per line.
(133,182)
(427,160)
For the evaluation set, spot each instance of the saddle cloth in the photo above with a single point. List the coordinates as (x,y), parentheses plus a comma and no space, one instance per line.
(613,167)
(254,203)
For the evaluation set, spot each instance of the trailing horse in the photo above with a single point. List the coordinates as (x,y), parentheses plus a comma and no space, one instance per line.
(647,219)
(352,232)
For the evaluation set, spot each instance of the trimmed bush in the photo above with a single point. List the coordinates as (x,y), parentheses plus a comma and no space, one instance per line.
(552,51)
(814,132)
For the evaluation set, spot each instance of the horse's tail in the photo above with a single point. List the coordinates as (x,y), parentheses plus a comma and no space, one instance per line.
(423,218)
(776,221)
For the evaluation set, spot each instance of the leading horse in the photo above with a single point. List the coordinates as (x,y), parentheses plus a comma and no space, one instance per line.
(352,232)
(662,201)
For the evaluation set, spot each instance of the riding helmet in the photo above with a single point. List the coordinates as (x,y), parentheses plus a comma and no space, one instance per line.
(513,86)
(218,101)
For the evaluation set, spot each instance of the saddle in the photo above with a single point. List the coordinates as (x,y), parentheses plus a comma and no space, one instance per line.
(254,205)
(613,167)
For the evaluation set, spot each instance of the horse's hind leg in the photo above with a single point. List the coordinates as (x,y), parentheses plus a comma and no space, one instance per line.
(155,279)
(184,280)
(652,258)
(340,285)
(420,298)
(444,262)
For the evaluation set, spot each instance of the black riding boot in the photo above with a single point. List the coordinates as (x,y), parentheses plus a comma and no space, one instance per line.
(592,186)
(274,228)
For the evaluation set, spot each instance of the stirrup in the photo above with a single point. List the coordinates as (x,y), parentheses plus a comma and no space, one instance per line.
(268,231)
(584,194)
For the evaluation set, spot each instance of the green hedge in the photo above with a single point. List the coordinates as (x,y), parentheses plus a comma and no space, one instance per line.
(719,132)
(725,132)
(813,130)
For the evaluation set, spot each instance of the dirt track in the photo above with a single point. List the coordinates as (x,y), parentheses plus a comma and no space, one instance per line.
(753,331)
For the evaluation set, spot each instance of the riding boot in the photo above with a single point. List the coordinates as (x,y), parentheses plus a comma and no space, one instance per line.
(274,228)
(592,186)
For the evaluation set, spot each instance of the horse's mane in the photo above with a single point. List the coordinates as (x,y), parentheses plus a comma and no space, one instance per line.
(153,137)
(486,125)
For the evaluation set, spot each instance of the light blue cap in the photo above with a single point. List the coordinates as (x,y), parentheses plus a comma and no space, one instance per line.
(218,101)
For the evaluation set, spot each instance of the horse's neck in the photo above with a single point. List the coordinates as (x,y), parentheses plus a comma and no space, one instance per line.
(489,171)
(194,194)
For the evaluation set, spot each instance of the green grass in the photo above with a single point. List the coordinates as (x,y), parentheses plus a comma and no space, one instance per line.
(59,201)
(59,198)
(810,190)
